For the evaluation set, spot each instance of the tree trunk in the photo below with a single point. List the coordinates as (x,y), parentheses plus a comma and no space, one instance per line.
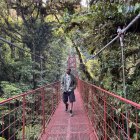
(83,67)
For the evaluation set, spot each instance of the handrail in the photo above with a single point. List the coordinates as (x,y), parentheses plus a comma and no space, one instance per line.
(25,116)
(25,93)
(114,95)
(107,113)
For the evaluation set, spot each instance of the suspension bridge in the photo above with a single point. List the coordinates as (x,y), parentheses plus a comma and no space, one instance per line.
(98,114)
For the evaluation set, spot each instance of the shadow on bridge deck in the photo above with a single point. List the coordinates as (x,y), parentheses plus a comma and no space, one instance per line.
(64,127)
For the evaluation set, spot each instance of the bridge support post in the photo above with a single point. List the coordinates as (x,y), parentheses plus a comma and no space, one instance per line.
(52,102)
(105,111)
(23,117)
(58,93)
(43,109)
(123,77)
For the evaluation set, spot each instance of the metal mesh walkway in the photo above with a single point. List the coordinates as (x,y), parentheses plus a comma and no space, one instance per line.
(64,127)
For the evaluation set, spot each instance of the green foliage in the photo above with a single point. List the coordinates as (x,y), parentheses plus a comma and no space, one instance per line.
(1,99)
(31,32)
(2,138)
(93,69)
(10,89)
(135,136)
(94,29)
(31,131)
(51,33)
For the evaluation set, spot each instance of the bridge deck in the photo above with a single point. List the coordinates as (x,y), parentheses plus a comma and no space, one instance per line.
(64,127)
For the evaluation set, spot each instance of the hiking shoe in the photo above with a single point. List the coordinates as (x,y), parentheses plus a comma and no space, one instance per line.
(66,107)
(71,114)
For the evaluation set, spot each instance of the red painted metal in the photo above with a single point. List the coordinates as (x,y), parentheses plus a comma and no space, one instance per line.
(43,109)
(110,119)
(33,113)
(105,111)
(23,120)
(25,116)
(64,127)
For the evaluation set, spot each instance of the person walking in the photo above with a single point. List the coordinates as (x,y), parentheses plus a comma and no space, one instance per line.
(68,85)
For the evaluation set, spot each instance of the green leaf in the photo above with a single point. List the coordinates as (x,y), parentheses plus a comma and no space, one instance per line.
(118,110)
(2,138)
(130,124)
(1,99)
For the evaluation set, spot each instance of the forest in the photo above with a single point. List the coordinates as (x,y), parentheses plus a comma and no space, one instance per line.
(36,37)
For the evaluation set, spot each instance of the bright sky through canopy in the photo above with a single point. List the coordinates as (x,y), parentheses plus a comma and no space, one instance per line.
(84,3)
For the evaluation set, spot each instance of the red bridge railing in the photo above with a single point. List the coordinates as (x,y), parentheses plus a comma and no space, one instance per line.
(25,116)
(112,117)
